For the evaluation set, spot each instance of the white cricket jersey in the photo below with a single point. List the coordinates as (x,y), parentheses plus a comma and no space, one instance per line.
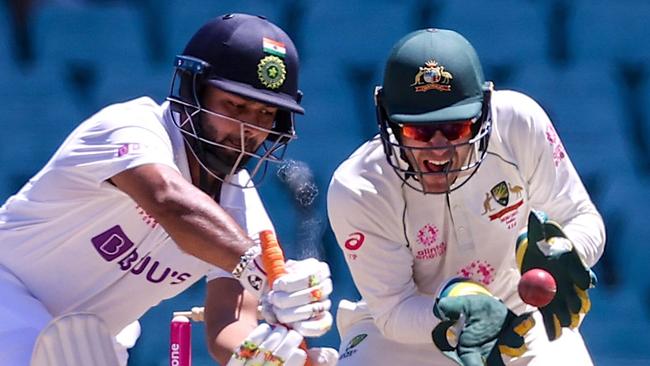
(401,245)
(80,244)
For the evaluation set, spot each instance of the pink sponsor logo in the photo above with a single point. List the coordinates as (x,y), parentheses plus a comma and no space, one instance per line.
(558,150)
(432,252)
(126,148)
(428,235)
(479,270)
(355,241)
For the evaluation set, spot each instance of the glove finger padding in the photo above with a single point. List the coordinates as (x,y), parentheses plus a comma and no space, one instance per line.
(474,323)
(300,298)
(303,312)
(315,327)
(324,356)
(250,346)
(472,358)
(485,316)
(511,340)
(284,300)
(445,335)
(302,274)
(551,323)
(583,277)
(272,346)
(546,246)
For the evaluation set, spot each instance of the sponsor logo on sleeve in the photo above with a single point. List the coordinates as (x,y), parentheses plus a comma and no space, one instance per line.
(558,149)
(125,149)
(353,243)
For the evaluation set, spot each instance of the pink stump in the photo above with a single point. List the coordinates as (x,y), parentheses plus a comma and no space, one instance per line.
(180,341)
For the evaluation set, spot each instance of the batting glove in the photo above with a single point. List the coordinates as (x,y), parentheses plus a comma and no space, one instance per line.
(300,299)
(476,328)
(552,251)
(279,346)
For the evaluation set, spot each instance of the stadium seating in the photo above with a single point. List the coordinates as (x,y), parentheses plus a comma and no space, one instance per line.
(610,31)
(37,112)
(353,32)
(584,104)
(503,32)
(101,34)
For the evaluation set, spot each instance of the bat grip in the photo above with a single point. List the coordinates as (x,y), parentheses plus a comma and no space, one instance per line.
(273,262)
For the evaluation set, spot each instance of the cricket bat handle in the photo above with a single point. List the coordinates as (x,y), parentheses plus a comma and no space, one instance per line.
(273,262)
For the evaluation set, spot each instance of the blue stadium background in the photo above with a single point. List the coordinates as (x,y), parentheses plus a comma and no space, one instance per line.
(586,61)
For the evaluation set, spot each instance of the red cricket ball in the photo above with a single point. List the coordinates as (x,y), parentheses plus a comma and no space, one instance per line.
(537,287)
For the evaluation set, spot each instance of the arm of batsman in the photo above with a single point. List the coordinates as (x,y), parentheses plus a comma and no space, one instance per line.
(476,328)
(278,346)
(300,298)
(545,246)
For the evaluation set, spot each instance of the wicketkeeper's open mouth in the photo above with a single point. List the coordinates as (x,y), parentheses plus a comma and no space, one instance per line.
(436,166)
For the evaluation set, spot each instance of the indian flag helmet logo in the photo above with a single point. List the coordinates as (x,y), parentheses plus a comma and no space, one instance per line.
(271,72)
(274,47)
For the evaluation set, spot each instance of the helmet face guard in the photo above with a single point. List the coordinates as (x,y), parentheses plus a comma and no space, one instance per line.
(433,83)
(186,88)
(401,156)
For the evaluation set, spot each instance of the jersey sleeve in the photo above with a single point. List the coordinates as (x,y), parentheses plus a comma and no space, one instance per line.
(367,230)
(117,138)
(247,208)
(554,184)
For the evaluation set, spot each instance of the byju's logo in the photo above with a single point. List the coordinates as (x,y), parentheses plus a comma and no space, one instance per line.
(112,243)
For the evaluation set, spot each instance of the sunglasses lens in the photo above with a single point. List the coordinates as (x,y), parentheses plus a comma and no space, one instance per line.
(418,133)
(452,131)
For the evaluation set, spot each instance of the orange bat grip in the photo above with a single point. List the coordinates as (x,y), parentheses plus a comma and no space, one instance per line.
(272,256)
(273,262)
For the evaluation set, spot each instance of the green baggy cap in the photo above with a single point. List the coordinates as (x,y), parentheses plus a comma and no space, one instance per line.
(432,75)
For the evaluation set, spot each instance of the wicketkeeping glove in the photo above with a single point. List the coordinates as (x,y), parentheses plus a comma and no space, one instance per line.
(546,246)
(279,346)
(476,328)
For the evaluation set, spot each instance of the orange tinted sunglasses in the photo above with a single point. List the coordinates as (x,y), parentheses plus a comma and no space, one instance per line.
(451,130)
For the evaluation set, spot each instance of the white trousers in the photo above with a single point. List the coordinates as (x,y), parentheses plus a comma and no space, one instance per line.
(22,317)
(363,344)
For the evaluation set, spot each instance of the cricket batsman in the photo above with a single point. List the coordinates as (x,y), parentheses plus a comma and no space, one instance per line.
(429,212)
(144,199)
